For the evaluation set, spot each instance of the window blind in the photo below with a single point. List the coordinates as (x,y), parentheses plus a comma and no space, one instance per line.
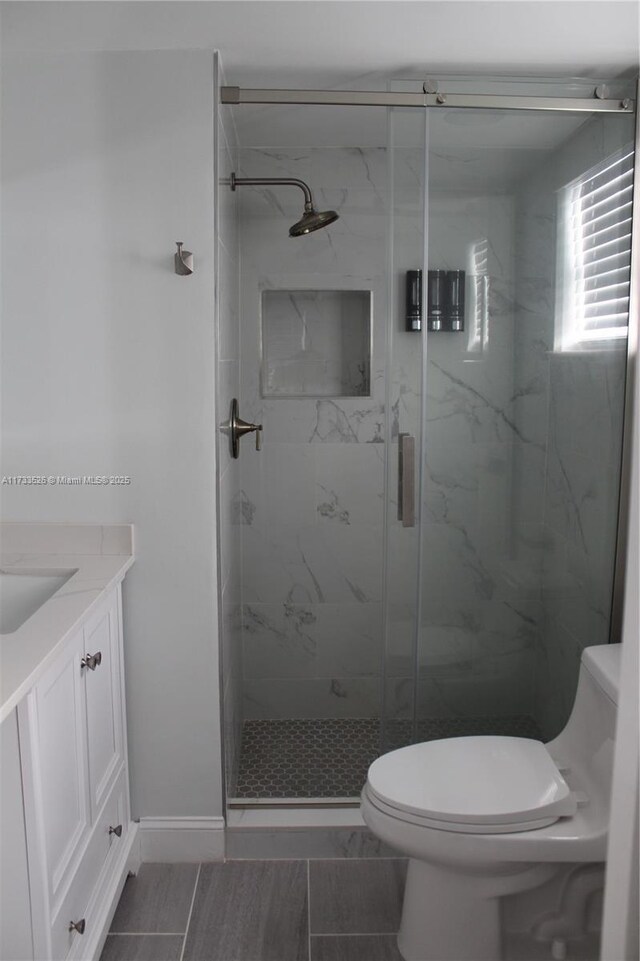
(598,210)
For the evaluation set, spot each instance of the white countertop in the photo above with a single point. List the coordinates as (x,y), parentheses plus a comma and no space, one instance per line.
(99,555)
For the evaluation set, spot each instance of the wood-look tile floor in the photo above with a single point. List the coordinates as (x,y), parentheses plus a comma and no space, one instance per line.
(346,909)
(334,910)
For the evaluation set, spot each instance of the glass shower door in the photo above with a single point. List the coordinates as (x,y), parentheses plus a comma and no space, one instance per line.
(334,380)
(373,614)
(523,414)
(406,347)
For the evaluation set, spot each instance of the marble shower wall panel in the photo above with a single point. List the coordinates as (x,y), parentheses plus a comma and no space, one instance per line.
(570,405)
(476,653)
(228,386)
(311,505)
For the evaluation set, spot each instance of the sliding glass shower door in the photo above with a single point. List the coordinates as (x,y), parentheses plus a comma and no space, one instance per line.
(529,224)
(428,535)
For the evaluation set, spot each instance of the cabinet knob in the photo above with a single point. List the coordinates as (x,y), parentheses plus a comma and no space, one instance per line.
(78,926)
(117,830)
(92,661)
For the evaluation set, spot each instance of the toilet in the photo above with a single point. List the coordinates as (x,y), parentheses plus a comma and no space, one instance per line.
(484,817)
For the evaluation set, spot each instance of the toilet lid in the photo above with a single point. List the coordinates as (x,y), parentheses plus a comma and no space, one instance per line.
(474,780)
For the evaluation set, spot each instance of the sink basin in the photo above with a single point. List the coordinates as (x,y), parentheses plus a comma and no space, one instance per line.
(22,594)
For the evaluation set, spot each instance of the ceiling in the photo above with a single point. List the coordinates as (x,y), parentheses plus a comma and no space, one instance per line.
(336,42)
(356,44)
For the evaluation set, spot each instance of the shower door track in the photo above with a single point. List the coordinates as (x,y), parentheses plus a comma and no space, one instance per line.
(370,98)
(296,803)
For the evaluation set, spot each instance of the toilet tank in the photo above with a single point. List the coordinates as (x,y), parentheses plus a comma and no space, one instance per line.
(586,742)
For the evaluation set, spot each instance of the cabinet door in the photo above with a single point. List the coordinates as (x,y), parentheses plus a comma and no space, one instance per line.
(16,939)
(61,763)
(104,715)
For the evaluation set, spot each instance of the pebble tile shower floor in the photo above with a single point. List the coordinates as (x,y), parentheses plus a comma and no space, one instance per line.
(320,910)
(330,757)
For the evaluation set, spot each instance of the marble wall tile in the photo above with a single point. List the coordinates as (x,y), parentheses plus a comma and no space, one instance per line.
(349,484)
(465,406)
(279,486)
(362,169)
(570,406)
(557,670)
(313,565)
(312,697)
(529,465)
(312,640)
(350,639)
(229,532)
(280,640)
(582,502)
(454,569)
(400,638)
(273,162)
(321,421)
(399,698)
(227,199)
(312,548)
(499,685)
(228,307)
(587,402)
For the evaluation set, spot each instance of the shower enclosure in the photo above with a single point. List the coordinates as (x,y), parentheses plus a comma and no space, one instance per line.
(427,539)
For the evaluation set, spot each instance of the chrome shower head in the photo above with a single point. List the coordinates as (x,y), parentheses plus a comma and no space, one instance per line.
(311,219)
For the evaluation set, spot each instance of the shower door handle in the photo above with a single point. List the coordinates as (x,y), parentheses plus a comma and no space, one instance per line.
(406,480)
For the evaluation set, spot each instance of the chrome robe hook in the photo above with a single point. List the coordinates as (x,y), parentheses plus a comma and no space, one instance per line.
(183,260)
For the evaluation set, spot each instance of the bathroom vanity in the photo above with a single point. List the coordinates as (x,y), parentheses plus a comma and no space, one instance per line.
(66,832)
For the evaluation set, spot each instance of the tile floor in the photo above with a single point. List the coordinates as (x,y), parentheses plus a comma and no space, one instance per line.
(333,910)
(330,757)
(346,909)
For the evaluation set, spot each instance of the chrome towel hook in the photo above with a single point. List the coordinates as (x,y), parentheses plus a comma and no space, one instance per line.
(183,260)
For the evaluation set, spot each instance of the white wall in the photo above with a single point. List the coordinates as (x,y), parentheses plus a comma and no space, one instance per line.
(108,366)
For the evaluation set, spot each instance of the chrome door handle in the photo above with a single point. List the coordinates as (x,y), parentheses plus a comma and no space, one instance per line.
(406,480)
(238,428)
(92,661)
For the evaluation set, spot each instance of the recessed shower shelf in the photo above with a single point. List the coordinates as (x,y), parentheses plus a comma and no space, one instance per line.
(316,343)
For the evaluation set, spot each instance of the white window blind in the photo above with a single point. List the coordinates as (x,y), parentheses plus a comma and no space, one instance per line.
(595,253)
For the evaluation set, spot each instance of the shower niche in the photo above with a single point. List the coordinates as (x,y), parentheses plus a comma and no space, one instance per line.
(316,343)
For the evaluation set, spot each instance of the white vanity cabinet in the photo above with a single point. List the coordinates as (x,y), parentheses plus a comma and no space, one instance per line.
(76,790)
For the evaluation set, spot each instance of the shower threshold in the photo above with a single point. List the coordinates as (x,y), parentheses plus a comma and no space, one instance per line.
(323,762)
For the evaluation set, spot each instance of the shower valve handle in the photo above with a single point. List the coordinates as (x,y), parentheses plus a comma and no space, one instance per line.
(238,428)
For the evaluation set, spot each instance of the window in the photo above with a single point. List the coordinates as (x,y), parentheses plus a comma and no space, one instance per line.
(594,255)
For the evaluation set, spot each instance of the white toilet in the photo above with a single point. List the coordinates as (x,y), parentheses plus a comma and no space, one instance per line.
(484,817)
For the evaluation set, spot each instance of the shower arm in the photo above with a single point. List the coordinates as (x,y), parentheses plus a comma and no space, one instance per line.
(274,181)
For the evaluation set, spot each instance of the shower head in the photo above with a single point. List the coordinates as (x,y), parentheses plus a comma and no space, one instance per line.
(311,219)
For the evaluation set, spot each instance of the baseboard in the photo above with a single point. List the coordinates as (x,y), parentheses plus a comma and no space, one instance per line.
(182,839)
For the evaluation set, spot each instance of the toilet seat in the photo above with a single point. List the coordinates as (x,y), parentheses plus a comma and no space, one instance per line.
(483,784)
